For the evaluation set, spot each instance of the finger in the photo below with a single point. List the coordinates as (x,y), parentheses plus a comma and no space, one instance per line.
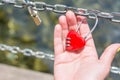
(64,25)
(71,20)
(84,30)
(58,46)
(109,54)
(81,18)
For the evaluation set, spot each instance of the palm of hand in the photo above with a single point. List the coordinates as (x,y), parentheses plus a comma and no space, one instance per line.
(78,65)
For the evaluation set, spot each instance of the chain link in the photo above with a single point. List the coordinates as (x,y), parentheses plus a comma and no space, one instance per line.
(62,9)
(26,52)
(115,70)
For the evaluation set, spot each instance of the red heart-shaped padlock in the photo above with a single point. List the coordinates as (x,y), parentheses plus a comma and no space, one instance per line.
(74,41)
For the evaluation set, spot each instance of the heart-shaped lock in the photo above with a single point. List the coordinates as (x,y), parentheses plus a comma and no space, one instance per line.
(74,41)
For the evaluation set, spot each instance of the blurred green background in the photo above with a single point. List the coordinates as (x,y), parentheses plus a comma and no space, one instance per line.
(18,29)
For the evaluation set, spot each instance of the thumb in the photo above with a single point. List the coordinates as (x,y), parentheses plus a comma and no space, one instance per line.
(109,53)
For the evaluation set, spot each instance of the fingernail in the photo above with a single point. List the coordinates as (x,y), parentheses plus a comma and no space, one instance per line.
(118,50)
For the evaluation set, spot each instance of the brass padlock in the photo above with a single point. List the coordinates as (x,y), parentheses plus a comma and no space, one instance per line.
(35,16)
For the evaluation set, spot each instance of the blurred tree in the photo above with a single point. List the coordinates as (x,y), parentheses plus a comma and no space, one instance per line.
(3,23)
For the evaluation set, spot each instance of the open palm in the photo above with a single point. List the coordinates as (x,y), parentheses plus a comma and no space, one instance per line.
(83,64)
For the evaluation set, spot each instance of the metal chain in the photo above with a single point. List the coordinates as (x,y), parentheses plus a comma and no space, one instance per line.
(62,9)
(26,52)
(40,55)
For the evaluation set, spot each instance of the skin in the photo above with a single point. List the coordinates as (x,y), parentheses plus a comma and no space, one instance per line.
(83,64)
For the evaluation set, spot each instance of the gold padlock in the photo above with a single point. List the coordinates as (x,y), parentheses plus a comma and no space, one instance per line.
(35,16)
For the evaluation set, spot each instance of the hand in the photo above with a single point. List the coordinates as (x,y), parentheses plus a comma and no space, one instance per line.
(83,64)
